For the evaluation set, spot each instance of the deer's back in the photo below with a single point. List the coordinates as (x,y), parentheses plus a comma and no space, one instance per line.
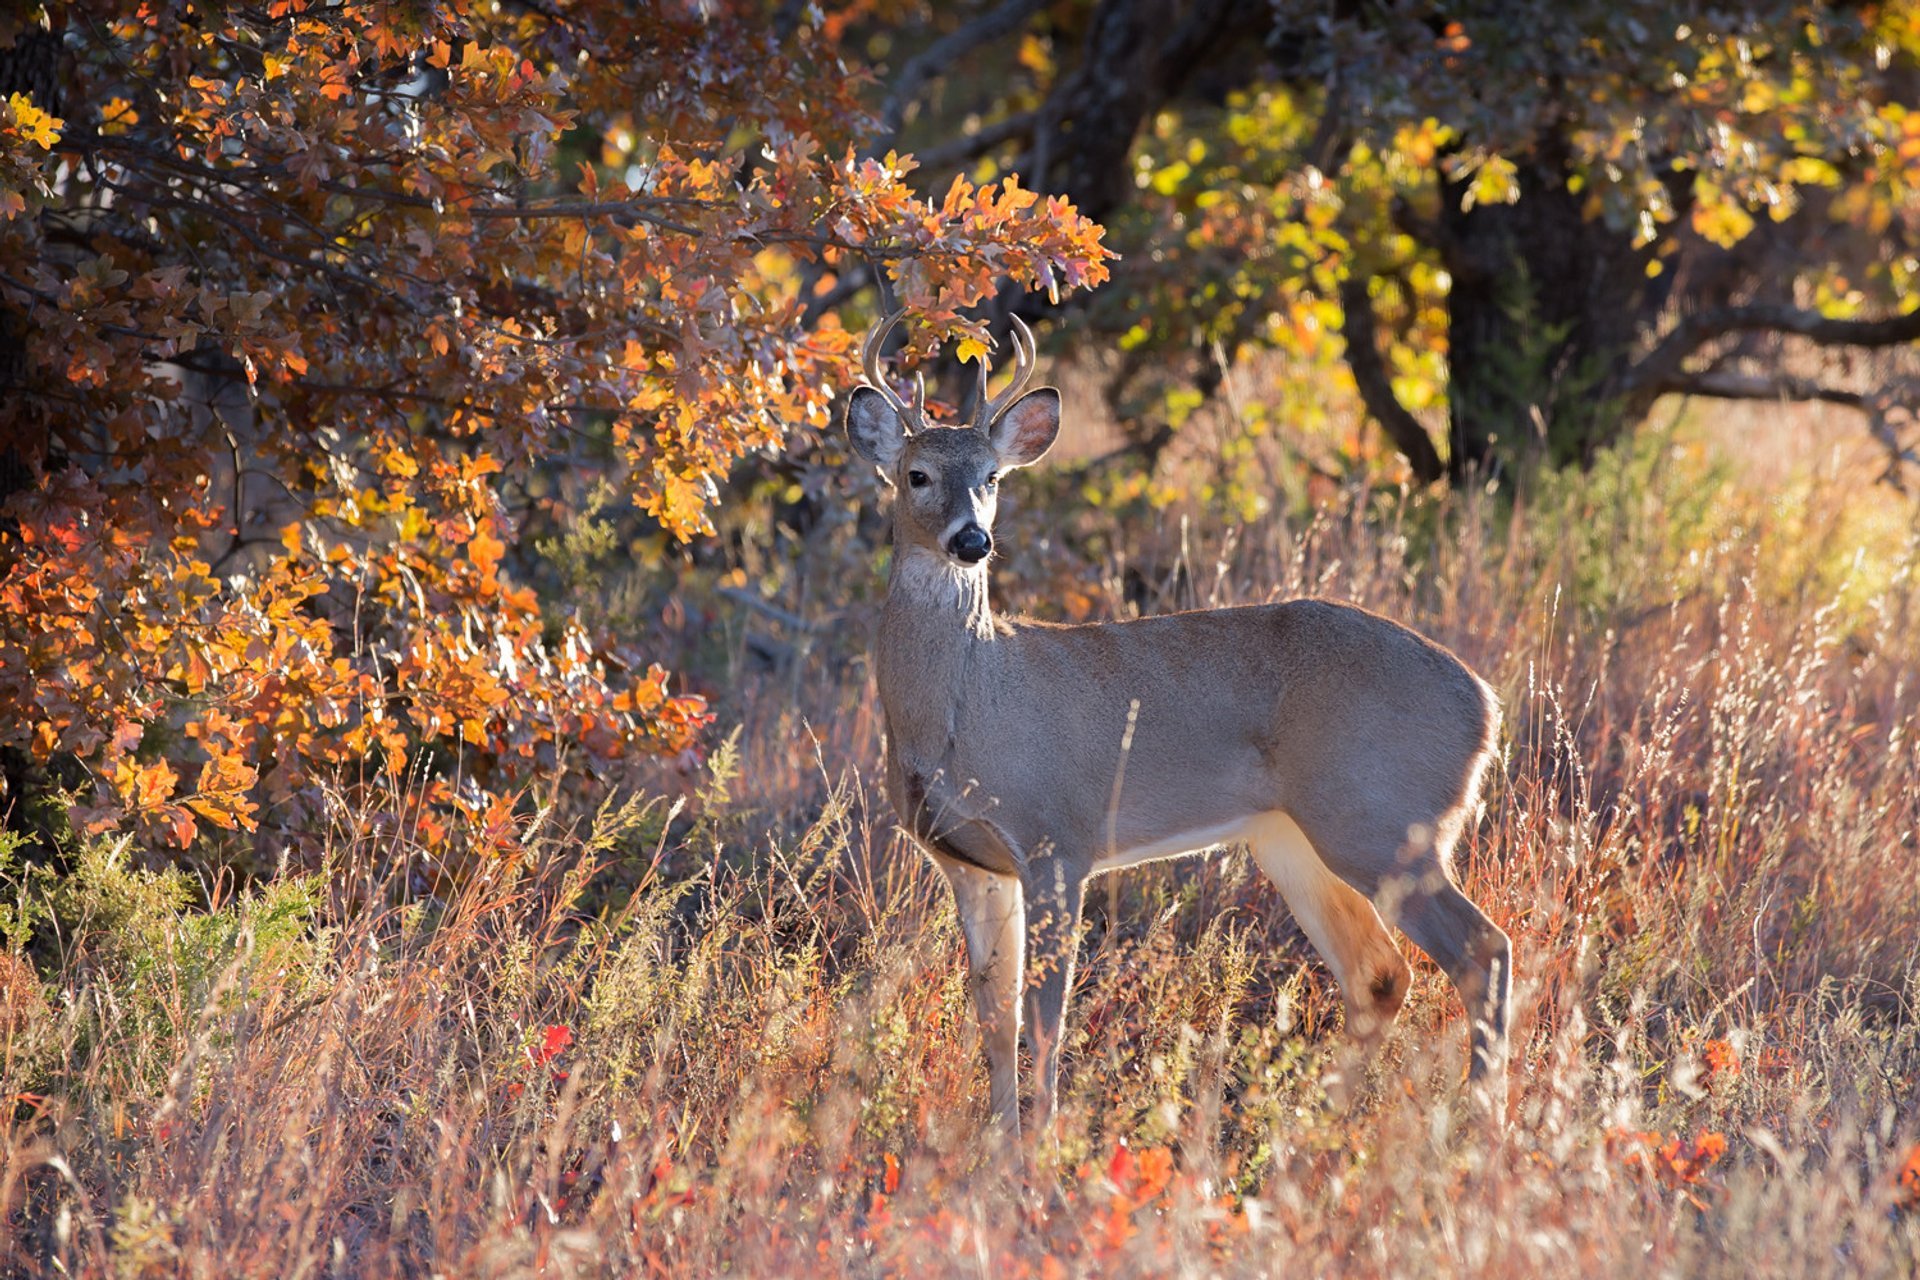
(1219,713)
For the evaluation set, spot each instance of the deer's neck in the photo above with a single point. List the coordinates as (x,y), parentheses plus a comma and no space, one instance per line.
(937,598)
(935,630)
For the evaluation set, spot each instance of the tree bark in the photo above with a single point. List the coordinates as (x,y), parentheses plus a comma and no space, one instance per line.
(1543,321)
(1136,55)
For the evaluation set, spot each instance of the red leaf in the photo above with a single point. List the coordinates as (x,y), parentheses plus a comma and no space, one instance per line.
(553,1044)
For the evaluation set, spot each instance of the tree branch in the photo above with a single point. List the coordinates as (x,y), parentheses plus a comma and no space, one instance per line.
(932,60)
(1357,326)
(1828,332)
(1722,384)
(1886,417)
(1665,362)
(985,138)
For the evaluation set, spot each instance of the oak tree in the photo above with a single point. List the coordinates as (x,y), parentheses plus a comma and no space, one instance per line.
(304,302)
(1521,223)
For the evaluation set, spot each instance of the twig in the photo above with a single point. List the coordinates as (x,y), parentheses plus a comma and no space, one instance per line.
(739,595)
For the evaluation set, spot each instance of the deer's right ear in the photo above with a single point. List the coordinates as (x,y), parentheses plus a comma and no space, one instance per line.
(874,429)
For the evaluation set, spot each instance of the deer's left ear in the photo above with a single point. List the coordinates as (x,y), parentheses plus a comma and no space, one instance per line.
(1026,431)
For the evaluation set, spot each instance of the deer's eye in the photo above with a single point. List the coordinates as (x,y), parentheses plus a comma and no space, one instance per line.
(917,478)
(993,481)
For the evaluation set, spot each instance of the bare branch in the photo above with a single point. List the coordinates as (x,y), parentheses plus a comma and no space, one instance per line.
(1665,362)
(985,138)
(1828,332)
(785,617)
(1885,409)
(1357,326)
(1722,384)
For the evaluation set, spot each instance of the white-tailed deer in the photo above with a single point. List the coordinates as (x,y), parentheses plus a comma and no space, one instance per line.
(1346,750)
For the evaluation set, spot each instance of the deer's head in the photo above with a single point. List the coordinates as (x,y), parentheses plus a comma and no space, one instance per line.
(946,478)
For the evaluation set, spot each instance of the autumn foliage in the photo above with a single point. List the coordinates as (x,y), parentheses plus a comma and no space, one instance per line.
(317,303)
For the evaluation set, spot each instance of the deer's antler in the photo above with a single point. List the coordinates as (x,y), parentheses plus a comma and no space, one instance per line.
(912,416)
(1024,350)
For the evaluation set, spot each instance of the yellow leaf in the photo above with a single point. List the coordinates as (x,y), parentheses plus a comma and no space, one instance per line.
(1719,216)
(34,123)
(1810,171)
(972,349)
(1757,98)
(1496,182)
(1036,55)
(118,116)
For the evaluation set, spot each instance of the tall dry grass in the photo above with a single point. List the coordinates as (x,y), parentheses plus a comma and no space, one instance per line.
(733,1037)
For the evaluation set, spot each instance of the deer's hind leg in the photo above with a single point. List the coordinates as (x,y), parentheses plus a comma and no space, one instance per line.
(1340,922)
(1403,865)
(1477,957)
(1054,892)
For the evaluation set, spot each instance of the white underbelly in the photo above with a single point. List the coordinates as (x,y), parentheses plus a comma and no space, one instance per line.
(1194,841)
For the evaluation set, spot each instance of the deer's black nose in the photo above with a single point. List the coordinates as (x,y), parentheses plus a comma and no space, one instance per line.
(970,545)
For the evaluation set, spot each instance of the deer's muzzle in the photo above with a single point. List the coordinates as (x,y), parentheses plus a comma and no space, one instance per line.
(971,545)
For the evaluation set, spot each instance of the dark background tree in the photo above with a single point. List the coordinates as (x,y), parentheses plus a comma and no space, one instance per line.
(1579,208)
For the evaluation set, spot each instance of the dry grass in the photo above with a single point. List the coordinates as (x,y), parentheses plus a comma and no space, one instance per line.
(735,1039)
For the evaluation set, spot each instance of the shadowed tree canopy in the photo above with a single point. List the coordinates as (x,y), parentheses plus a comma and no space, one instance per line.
(308,307)
(1526,222)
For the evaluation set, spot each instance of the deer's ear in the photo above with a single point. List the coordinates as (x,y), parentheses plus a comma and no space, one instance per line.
(874,429)
(1026,431)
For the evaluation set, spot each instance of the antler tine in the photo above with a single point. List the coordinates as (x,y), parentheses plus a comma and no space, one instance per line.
(870,349)
(980,418)
(910,415)
(1025,354)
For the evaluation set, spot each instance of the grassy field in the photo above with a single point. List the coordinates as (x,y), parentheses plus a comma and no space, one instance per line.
(721,1027)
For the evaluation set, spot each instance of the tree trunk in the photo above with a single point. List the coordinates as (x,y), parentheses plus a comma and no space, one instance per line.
(1545,316)
(1135,56)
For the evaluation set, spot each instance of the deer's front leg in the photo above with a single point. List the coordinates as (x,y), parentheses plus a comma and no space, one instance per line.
(1053,897)
(993,918)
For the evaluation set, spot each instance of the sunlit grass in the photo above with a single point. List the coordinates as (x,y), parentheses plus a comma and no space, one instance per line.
(734,1037)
